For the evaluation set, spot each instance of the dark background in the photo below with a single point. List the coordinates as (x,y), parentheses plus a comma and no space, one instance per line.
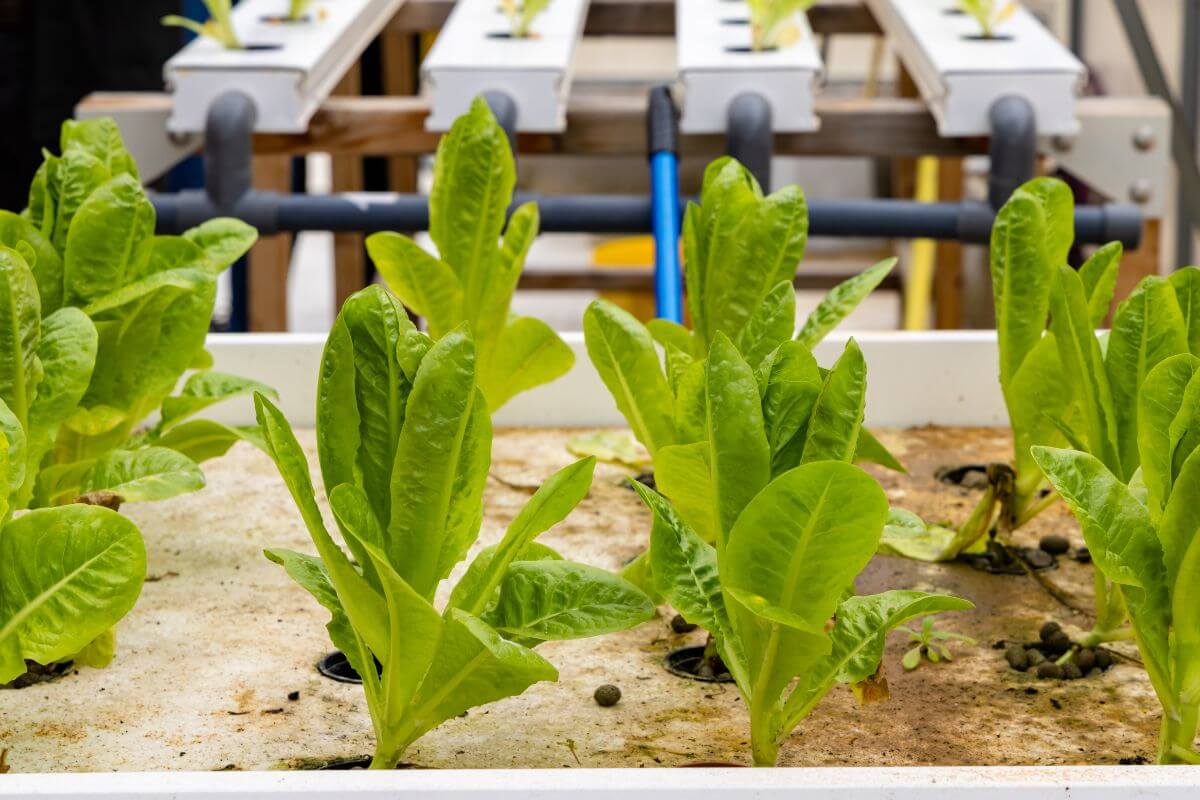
(52,53)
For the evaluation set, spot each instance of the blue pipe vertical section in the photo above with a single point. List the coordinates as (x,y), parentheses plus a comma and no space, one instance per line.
(663,140)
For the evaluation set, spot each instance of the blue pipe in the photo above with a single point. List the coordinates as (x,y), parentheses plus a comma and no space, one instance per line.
(662,136)
(664,194)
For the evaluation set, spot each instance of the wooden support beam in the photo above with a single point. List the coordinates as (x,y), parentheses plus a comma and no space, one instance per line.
(948,264)
(349,261)
(271,256)
(615,126)
(644,17)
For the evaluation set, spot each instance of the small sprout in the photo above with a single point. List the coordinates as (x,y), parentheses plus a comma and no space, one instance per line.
(988,13)
(773,22)
(521,14)
(929,643)
(297,9)
(607,695)
(219,26)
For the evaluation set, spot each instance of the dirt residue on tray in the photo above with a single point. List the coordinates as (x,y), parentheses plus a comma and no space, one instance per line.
(207,660)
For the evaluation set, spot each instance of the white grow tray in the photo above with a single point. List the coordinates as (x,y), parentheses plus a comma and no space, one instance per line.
(472,55)
(715,66)
(287,69)
(961,77)
(915,379)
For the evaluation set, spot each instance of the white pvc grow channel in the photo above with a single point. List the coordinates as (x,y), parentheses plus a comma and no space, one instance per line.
(716,65)
(915,379)
(475,53)
(287,68)
(960,74)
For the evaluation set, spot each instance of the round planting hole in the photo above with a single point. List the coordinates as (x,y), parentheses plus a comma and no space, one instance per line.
(508,36)
(284,19)
(336,666)
(963,475)
(735,21)
(690,662)
(262,48)
(745,48)
(36,673)
(995,37)
(645,479)
(347,764)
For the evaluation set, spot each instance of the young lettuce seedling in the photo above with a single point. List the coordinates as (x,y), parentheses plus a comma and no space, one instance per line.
(773,22)
(218,27)
(1144,536)
(107,319)
(404,440)
(474,280)
(930,643)
(67,574)
(771,573)
(1061,385)
(521,14)
(988,13)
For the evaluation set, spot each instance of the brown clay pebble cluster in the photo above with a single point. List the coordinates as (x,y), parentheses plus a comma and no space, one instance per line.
(607,695)
(1044,655)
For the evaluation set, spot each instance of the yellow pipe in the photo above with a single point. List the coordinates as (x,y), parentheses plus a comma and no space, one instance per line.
(918,287)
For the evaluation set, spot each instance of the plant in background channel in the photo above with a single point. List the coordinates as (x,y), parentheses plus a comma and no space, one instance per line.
(1144,536)
(476,275)
(773,22)
(770,570)
(521,14)
(930,643)
(218,27)
(104,319)
(404,440)
(67,574)
(988,13)
(297,9)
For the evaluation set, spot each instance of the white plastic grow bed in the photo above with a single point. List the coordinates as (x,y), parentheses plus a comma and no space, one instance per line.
(915,379)
(715,66)
(474,54)
(286,68)
(961,75)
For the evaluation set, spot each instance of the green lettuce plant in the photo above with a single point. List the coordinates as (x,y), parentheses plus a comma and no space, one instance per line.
(988,13)
(768,564)
(67,574)
(1144,536)
(404,440)
(104,321)
(1062,384)
(773,22)
(521,14)
(480,261)
(218,26)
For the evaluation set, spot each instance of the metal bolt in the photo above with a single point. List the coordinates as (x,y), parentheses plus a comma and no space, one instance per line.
(179,139)
(1141,190)
(1144,138)
(1062,144)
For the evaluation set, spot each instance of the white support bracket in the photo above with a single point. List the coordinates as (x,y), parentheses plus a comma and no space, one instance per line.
(961,75)
(475,54)
(286,68)
(1123,150)
(716,65)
